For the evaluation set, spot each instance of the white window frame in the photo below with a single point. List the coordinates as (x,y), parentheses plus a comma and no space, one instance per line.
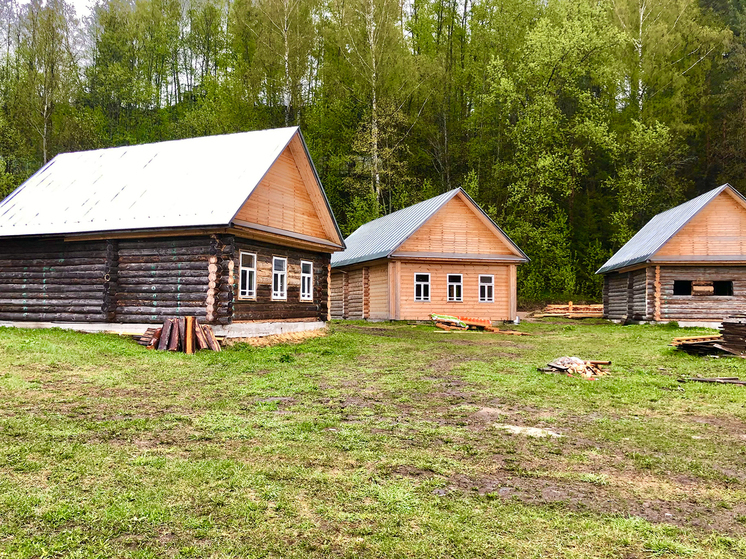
(491,284)
(250,291)
(281,295)
(306,277)
(460,283)
(418,283)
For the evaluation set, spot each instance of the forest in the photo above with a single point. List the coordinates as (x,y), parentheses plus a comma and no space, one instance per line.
(571,122)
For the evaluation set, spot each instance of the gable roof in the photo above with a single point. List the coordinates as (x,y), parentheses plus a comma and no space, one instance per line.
(381,237)
(195,182)
(659,230)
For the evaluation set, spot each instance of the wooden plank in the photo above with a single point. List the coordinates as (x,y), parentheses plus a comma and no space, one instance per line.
(189,334)
(210,337)
(156,338)
(165,335)
(174,342)
(456,229)
(200,336)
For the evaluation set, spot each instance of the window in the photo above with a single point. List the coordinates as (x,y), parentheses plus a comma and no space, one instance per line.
(486,289)
(681,287)
(279,278)
(422,287)
(723,288)
(246,275)
(455,292)
(306,281)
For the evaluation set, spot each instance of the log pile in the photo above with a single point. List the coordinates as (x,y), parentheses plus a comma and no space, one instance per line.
(571,311)
(183,334)
(573,366)
(447,322)
(732,339)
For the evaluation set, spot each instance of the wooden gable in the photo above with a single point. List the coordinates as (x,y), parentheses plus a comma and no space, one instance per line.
(719,229)
(289,198)
(458,228)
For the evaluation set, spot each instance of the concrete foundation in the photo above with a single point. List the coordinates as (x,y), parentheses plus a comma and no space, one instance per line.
(238,330)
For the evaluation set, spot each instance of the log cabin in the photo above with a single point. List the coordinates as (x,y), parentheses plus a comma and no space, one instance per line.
(443,255)
(687,264)
(233,229)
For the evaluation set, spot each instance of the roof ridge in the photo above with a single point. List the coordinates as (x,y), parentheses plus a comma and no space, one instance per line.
(655,233)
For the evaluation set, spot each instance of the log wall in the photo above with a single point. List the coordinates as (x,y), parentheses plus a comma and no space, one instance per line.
(160,278)
(146,280)
(379,291)
(615,296)
(48,280)
(355,294)
(337,294)
(706,307)
(263,307)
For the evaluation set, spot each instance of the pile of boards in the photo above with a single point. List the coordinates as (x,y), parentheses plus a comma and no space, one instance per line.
(447,322)
(575,366)
(732,339)
(571,310)
(184,334)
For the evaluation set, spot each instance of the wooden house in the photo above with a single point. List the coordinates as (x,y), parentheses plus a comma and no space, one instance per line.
(687,264)
(443,255)
(234,229)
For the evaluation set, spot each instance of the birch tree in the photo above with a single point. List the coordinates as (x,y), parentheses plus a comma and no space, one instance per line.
(48,70)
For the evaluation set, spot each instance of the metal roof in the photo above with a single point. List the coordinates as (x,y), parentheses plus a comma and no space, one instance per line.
(194,182)
(381,237)
(659,230)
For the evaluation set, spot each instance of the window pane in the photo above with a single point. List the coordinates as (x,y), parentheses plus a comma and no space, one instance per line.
(306,268)
(454,279)
(485,279)
(279,265)
(426,291)
(681,287)
(247,260)
(421,278)
(723,288)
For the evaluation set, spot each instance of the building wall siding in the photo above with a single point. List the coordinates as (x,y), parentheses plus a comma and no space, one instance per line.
(707,307)
(264,308)
(48,280)
(159,278)
(409,309)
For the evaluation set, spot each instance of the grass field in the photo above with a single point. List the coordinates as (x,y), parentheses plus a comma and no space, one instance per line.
(375,441)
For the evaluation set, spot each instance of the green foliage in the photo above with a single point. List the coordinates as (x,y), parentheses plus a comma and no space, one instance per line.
(572,122)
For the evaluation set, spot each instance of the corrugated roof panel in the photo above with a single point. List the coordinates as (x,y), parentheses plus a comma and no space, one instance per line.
(659,230)
(382,236)
(182,183)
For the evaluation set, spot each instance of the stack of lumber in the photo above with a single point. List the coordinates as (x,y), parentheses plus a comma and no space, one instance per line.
(571,311)
(732,339)
(184,334)
(698,345)
(575,366)
(447,322)
(733,331)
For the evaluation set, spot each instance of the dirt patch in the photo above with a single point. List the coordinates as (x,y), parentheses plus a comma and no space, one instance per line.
(584,496)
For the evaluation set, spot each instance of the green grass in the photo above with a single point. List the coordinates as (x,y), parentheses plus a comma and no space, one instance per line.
(375,441)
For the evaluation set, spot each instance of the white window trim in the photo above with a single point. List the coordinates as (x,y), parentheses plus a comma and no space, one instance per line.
(252,288)
(284,296)
(429,287)
(310,277)
(448,288)
(492,284)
